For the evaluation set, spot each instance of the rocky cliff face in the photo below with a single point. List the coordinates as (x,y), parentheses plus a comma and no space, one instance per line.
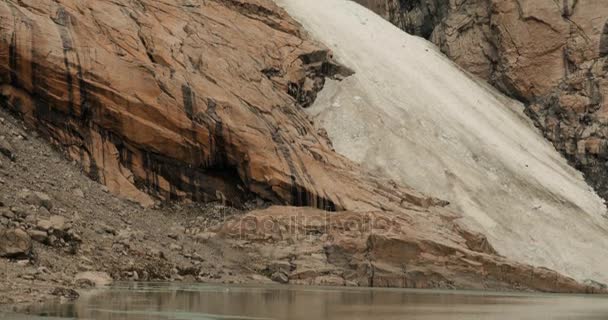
(177,99)
(549,54)
(381,249)
(201,100)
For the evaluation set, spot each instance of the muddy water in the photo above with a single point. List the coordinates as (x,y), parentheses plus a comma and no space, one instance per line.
(185,302)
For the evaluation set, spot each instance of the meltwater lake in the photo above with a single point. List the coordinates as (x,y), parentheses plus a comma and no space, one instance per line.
(145,301)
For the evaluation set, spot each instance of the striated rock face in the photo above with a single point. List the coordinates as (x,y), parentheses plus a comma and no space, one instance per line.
(177,99)
(201,100)
(383,249)
(549,54)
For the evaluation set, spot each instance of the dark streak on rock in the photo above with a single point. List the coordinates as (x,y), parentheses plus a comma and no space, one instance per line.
(214,179)
(566,9)
(62,21)
(13,64)
(604,41)
(300,195)
(188,99)
(217,156)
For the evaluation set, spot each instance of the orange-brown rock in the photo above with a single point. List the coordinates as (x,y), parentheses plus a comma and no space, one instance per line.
(201,100)
(552,55)
(416,248)
(178,99)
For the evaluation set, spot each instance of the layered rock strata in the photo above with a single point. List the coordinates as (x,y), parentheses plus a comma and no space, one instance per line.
(177,99)
(201,100)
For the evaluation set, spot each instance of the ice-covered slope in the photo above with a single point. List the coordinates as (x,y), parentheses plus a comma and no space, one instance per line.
(411,113)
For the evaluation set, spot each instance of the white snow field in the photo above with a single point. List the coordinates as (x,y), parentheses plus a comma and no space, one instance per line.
(410,113)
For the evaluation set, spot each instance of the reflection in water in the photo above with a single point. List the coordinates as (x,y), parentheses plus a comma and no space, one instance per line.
(183,302)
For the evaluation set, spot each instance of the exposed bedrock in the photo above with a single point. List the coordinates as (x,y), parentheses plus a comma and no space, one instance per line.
(175,99)
(549,54)
(382,249)
(202,100)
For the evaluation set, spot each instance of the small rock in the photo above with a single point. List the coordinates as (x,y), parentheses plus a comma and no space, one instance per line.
(7,213)
(96,278)
(20,211)
(74,236)
(595,284)
(69,294)
(38,236)
(279,266)
(15,243)
(55,223)
(175,247)
(7,150)
(43,270)
(27,277)
(204,236)
(78,193)
(157,254)
(103,228)
(30,219)
(280,277)
(23,262)
(44,225)
(258,278)
(44,212)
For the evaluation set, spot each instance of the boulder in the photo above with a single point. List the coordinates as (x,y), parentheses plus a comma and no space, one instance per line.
(279,266)
(66,293)
(280,277)
(55,222)
(7,213)
(15,243)
(38,236)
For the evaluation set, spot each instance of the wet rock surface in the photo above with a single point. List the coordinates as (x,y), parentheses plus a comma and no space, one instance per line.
(550,55)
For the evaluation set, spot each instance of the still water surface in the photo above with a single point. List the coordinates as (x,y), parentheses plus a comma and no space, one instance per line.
(186,302)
